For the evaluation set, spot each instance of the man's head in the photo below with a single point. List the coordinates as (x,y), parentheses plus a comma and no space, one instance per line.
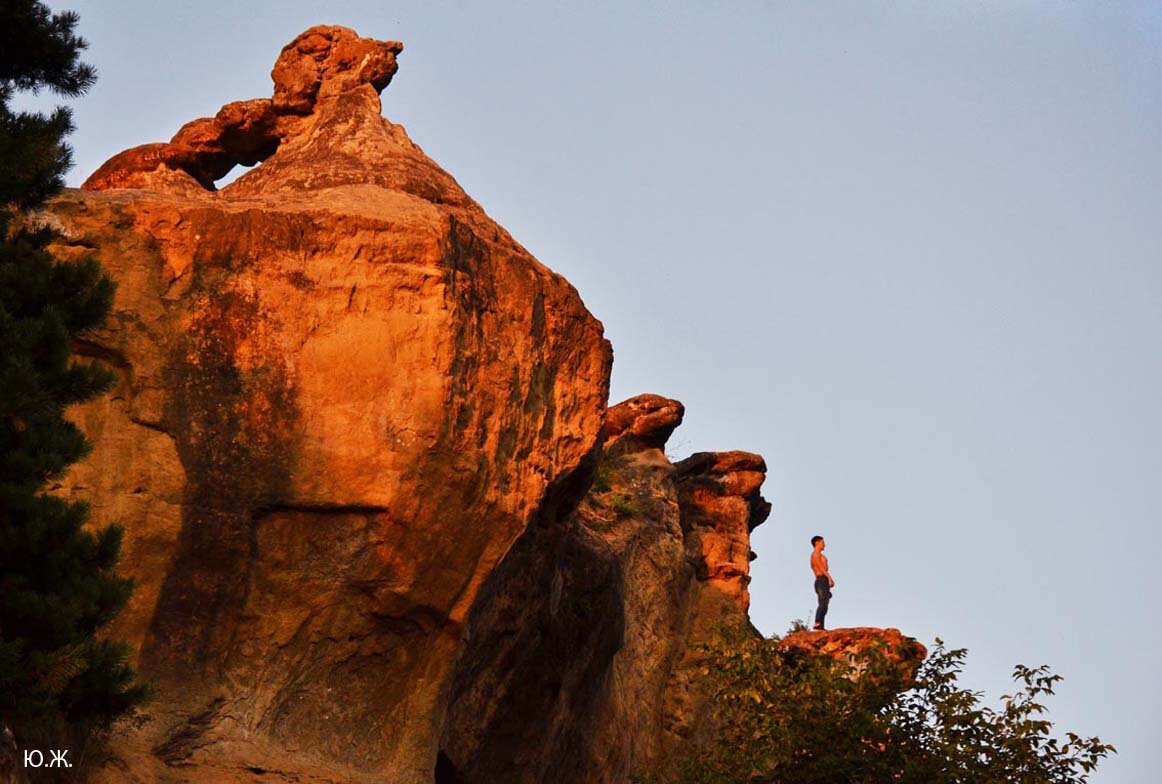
(818,543)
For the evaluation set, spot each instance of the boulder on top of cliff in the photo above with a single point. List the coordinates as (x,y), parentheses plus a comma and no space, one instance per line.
(734,473)
(327,60)
(344,393)
(320,66)
(646,420)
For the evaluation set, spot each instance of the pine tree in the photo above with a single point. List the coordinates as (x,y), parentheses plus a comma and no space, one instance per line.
(58,680)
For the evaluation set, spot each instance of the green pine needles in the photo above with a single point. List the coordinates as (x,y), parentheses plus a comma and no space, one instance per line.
(60,682)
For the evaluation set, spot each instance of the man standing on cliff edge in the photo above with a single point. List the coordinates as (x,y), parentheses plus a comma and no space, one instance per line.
(823,581)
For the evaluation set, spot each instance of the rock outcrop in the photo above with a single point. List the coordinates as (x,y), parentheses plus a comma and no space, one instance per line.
(383,525)
(721,505)
(592,626)
(313,69)
(902,655)
(345,393)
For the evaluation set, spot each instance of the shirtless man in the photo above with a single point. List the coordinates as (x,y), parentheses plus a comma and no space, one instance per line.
(823,581)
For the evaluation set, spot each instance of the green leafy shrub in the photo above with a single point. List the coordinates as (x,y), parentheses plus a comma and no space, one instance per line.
(791,718)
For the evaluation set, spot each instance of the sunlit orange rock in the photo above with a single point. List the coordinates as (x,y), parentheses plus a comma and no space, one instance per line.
(851,645)
(315,68)
(344,393)
(721,505)
(648,419)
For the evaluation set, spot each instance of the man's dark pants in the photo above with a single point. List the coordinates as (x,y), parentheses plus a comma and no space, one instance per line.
(823,591)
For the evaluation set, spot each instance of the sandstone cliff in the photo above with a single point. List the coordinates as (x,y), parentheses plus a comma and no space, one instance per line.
(383,525)
(345,393)
(580,663)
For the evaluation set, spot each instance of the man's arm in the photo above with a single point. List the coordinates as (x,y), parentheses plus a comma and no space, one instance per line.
(827,570)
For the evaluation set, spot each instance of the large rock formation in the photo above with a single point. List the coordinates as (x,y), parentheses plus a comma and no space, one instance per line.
(345,392)
(383,526)
(582,656)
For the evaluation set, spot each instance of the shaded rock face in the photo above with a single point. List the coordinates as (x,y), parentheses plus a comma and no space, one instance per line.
(345,393)
(581,663)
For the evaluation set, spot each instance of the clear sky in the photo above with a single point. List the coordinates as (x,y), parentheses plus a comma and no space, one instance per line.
(909,252)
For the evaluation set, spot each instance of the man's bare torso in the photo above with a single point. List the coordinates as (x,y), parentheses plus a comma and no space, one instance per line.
(818,563)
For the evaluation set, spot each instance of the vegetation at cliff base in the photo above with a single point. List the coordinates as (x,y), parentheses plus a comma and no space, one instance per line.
(789,717)
(59,682)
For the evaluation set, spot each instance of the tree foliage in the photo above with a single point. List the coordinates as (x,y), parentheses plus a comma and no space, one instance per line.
(58,586)
(38,49)
(786,717)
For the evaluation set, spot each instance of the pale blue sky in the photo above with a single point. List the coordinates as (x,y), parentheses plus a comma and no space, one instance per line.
(909,252)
